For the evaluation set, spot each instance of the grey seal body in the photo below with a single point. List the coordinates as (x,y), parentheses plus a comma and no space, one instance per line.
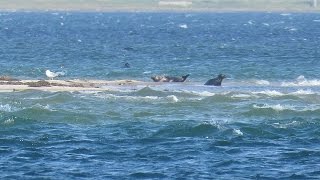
(127,65)
(215,81)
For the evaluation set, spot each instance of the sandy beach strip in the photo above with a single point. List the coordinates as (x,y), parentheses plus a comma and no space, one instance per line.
(69,85)
(159,5)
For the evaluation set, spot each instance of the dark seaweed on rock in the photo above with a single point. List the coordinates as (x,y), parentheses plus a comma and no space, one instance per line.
(57,84)
(11,83)
(76,85)
(44,83)
(8,78)
(38,84)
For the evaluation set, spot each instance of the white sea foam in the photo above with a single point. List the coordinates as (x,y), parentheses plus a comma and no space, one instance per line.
(8,121)
(293,29)
(302,81)
(310,108)
(277,107)
(262,82)
(203,93)
(241,96)
(147,72)
(8,108)
(316,20)
(303,92)
(286,125)
(170,98)
(285,14)
(250,22)
(46,107)
(173,98)
(184,26)
(266,106)
(237,132)
(270,93)
(266,24)
(135,98)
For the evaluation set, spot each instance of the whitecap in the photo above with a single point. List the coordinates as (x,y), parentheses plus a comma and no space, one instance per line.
(237,132)
(8,108)
(204,93)
(301,78)
(147,72)
(9,121)
(285,14)
(302,81)
(45,107)
(311,108)
(250,22)
(173,98)
(316,20)
(128,98)
(302,92)
(184,26)
(270,93)
(277,107)
(286,125)
(241,96)
(262,82)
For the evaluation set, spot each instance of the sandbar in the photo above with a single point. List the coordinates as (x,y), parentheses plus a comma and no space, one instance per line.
(161,5)
(69,85)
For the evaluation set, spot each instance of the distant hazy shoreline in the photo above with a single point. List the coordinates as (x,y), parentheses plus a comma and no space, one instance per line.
(160,10)
(157,6)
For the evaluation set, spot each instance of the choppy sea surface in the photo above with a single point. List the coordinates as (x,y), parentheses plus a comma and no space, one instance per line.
(262,123)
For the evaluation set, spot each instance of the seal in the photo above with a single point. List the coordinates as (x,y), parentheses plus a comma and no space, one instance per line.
(169,78)
(215,81)
(126,65)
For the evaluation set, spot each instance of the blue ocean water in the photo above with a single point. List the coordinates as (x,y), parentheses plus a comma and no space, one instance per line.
(263,123)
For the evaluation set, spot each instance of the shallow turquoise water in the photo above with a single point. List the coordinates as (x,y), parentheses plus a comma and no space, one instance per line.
(263,123)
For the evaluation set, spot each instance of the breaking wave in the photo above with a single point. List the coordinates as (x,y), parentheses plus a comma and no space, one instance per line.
(302,81)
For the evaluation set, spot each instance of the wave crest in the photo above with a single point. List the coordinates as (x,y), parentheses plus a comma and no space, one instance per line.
(302,81)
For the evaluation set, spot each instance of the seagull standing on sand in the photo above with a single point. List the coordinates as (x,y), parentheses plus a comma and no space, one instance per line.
(52,75)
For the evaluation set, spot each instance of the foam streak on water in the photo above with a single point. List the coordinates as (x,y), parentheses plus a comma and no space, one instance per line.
(262,123)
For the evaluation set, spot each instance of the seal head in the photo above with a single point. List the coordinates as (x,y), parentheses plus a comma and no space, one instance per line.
(216,81)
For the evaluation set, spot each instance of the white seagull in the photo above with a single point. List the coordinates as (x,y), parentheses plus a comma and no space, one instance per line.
(52,75)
